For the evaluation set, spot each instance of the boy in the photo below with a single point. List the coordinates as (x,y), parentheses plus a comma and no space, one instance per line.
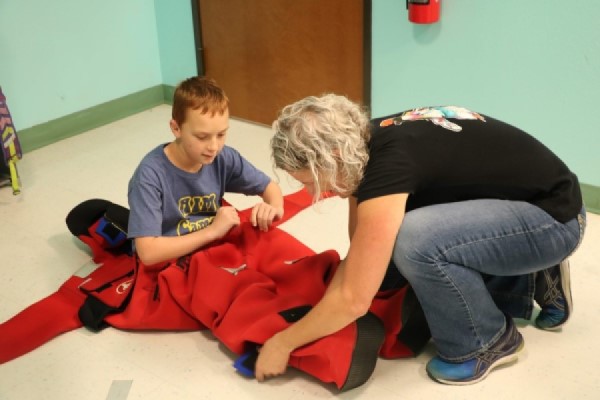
(176,191)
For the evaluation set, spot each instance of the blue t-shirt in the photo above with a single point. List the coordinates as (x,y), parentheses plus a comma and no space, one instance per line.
(167,201)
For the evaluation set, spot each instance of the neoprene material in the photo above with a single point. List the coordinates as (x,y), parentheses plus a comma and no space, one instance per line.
(244,288)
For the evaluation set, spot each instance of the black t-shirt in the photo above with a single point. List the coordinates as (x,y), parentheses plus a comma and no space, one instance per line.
(447,154)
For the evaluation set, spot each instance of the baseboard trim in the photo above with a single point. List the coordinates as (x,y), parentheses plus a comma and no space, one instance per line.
(591,197)
(73,124)
(168,92)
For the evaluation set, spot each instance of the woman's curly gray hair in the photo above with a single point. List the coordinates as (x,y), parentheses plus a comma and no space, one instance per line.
(327,135)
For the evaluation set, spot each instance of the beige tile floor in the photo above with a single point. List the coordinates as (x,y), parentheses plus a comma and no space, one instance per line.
(38,253)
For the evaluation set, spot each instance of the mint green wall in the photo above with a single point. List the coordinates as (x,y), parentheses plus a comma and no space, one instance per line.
(59,57)
(175,40)
(535,64)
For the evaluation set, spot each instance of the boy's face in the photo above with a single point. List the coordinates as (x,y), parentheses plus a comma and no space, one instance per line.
(201,136)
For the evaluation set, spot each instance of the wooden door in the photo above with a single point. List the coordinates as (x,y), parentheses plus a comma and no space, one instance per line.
(269,53)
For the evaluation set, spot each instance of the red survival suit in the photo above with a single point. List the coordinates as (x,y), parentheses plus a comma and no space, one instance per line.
(244,288)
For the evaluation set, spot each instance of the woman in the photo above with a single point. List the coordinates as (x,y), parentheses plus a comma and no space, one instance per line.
(458,201)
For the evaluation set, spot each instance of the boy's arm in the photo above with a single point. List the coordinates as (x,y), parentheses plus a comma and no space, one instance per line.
(263,214)
(153,250)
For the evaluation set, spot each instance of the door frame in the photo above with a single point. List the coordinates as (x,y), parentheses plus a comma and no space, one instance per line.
(367,36)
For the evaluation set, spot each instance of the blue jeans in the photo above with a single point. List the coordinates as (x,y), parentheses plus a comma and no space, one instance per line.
(454,254)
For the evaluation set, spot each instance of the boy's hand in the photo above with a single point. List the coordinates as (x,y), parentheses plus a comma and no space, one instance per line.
(227,217)
(264,214)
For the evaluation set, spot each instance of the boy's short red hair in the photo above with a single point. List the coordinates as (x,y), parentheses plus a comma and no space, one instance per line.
(198,93)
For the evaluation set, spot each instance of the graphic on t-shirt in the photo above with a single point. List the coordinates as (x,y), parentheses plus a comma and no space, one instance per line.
(190,206)
(437,115)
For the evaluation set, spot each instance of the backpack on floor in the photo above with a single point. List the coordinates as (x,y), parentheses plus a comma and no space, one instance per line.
(11,149)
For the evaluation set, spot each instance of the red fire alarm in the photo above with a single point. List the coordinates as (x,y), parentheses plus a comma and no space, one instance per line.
(423,11)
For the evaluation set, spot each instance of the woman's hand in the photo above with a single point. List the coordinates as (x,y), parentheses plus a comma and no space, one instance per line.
(263,215)
(273,358)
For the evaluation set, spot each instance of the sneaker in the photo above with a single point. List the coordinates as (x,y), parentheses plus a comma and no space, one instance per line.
(553,294)
(477,368)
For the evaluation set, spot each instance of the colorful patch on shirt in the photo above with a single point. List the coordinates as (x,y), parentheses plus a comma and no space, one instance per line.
(437,115)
